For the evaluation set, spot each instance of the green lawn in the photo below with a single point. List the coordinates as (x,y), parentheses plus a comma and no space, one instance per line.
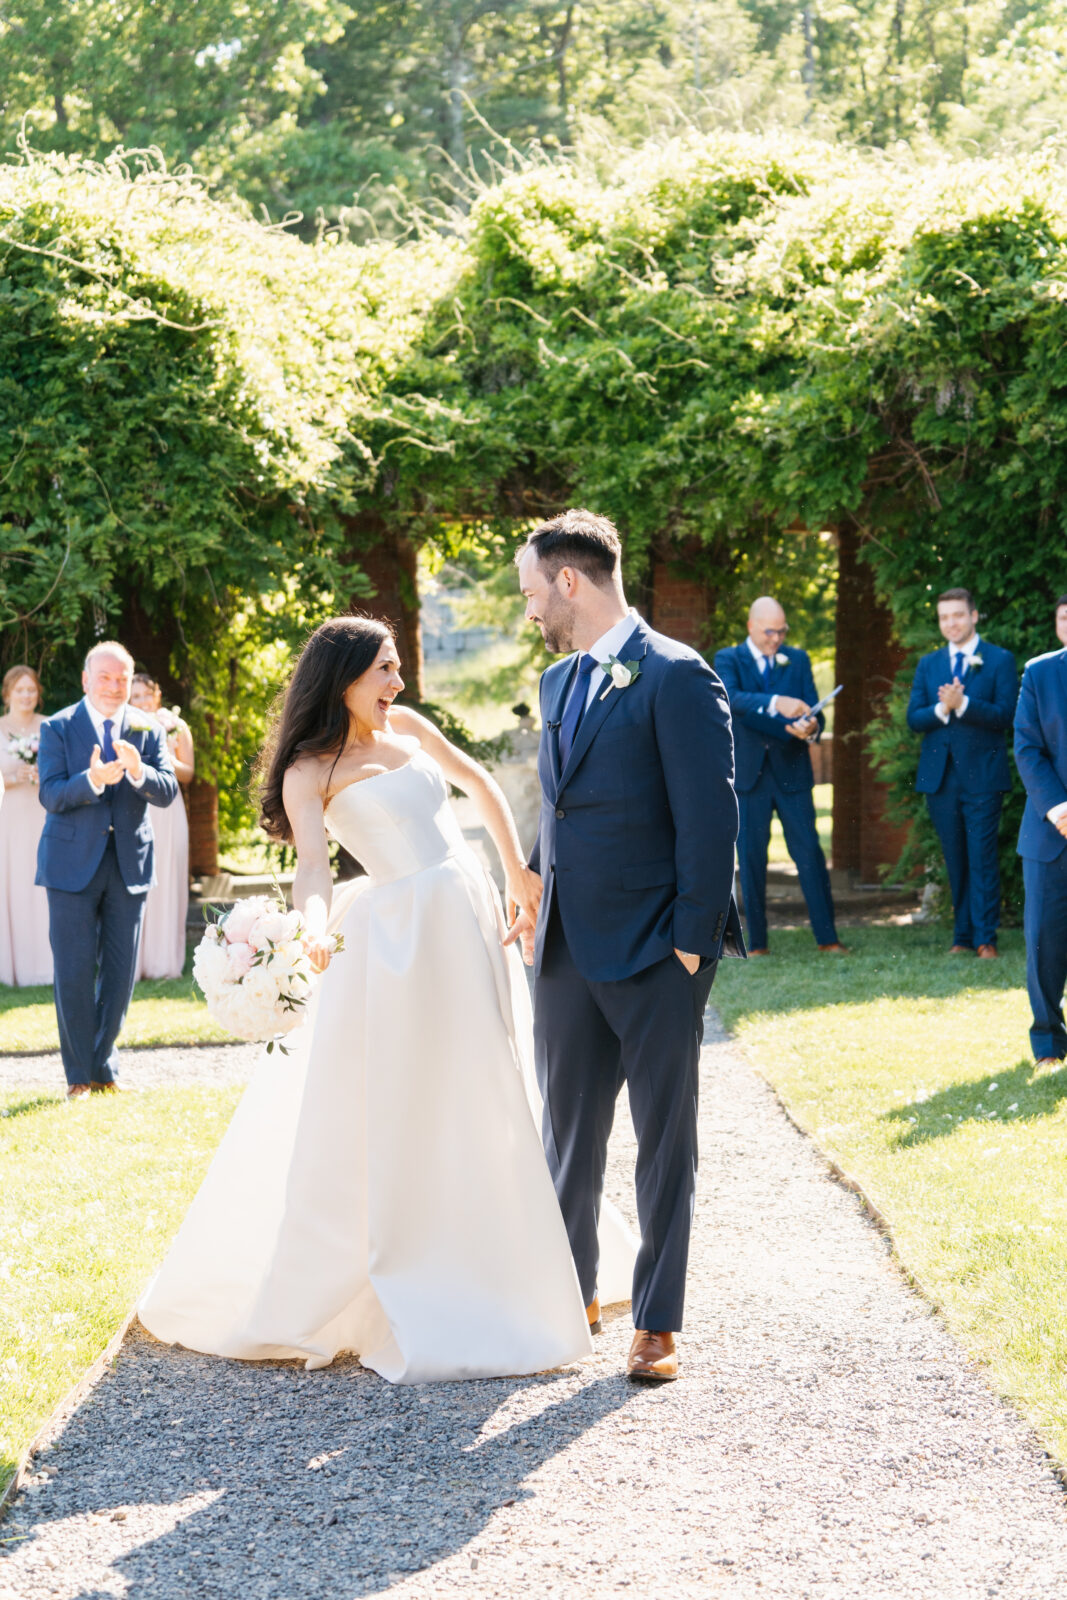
(911,1069)
(93,1190)
(169,1011)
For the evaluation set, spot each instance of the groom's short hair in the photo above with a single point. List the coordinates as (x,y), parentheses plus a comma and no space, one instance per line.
(578,539)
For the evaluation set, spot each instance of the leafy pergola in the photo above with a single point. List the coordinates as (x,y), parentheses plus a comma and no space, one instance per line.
(772,361)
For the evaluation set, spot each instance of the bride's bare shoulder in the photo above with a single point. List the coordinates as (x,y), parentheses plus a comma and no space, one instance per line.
(306,776)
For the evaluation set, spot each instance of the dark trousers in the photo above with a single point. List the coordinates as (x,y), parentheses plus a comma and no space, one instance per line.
(94,935)
(968,826)
(590,1038)
(1045,927)
(797,813)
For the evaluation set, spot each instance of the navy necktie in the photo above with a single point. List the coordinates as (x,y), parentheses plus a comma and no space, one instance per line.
(957,663)
(574,710)
(107,752)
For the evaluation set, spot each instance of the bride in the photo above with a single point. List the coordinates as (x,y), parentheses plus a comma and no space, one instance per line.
(382,1188)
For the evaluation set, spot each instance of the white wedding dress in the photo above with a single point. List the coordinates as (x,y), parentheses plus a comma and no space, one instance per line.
(382,1189)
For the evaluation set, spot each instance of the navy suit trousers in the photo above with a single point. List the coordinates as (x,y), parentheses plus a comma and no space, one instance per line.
(968,826)
(589,1039)
(1045,927)
(94,935)
(797,812)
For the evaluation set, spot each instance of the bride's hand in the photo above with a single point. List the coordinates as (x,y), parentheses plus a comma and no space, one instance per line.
(522,929)
(318,952)
(524,891)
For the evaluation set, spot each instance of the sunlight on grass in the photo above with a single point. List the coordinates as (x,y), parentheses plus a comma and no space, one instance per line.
(95,1191)
(169,1011)
(910,1069)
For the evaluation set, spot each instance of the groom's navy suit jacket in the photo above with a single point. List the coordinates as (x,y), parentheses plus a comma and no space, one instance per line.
(976,743)
(79,822)
(636,837)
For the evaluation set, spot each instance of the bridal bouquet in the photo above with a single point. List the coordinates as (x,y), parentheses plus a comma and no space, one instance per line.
(253,970)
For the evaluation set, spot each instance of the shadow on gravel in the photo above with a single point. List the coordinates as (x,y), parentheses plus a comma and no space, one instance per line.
(1014,1095)
(274,1482)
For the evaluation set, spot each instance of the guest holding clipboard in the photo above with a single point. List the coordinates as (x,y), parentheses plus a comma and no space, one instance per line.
(775,716)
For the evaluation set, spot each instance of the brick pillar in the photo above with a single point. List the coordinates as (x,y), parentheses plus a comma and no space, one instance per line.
(867,657)
(390,561)
(680,605)
(203,802)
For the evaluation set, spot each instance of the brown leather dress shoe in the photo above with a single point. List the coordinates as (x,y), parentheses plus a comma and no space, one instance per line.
(77,1091)
(110,1088)
(835,949)
(759,950)
(653,1358)
(1048,1064)
(961,950)
(988,952)
(592,1312)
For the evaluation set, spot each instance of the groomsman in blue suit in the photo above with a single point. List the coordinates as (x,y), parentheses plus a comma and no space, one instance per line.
(771,691)
(100,765)
(962,701)
(1041,754)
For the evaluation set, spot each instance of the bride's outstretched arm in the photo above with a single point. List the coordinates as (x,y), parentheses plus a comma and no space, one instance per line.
(313,883)
(523,885)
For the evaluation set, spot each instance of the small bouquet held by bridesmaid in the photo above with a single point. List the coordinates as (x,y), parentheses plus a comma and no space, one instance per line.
(24,748)
(253,970)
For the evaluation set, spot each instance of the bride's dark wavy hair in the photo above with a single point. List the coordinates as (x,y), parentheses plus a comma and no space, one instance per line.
(310,717)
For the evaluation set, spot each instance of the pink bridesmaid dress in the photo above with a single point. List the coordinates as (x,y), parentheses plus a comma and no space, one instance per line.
(162,951)
(25,954)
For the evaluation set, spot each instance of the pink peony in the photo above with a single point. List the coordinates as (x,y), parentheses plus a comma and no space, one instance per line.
(240,959)
(243,918)
(271,928)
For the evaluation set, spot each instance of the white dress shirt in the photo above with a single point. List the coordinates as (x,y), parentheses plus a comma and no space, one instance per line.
(609,644)
(760,658)
(98,719)
(967,651)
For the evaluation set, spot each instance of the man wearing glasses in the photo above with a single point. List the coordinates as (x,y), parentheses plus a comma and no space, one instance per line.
(772,690)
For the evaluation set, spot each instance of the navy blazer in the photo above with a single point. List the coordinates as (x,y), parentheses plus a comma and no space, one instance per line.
(1041,753)
(976,741)
(78,823)
(759,736)
(636,836)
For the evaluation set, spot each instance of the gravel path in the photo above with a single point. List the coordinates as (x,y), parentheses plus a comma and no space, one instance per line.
(828,1440)
(142,1069)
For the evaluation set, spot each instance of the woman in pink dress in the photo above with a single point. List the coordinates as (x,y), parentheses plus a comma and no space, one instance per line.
(25,954)
(162,952)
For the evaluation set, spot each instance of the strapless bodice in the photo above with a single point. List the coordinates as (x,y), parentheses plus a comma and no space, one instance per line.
(398,822)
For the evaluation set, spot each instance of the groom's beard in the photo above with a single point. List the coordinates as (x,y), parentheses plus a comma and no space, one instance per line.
(557,625)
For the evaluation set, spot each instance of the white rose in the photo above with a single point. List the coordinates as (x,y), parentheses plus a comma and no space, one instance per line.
(260,988)
(620,675)
(781,659)
(211,967)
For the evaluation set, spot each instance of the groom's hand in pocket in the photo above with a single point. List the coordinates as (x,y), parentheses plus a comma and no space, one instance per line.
(690,963)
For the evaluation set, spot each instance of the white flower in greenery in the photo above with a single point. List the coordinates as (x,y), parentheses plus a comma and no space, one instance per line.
(139,721)
(242,919)
(976,662)
(211,968)
(781,659)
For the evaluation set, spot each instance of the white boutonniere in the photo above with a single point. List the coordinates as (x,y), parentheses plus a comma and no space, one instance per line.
(975,663)
(781,659)
(139,722)
(621,673)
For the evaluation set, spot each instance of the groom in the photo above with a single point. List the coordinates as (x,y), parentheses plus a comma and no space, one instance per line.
(101,766)
(636,849)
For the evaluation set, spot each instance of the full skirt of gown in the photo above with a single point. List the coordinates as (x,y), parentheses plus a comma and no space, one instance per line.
(382,1189)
